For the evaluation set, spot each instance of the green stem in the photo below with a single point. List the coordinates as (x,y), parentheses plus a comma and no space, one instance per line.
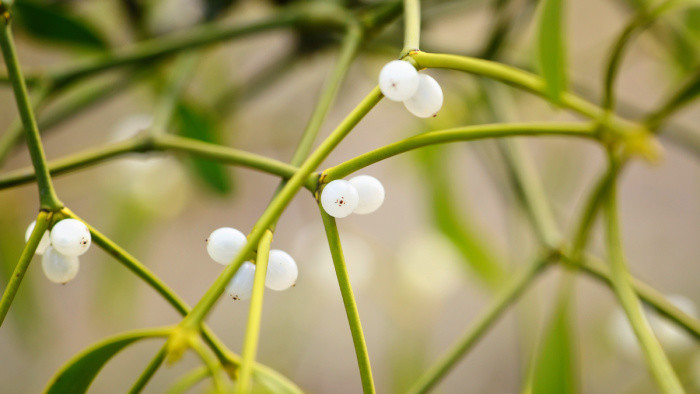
(657,361)
(252,332)
(208,34)
(341,271)
(42,223)
(165,142)
(682,96)
(47,195)
(642,19)
(411,17)
(466,133)
(188,380)
(73,162)
(227,155)
(348,51)
(529,189)
(590,210)
(148,373)
(510,292)
(518,78)
(652,297)
(277,206)
(221,384)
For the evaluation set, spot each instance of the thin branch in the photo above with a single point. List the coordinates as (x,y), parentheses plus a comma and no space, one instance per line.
(42,224)
(341,271)
(47,195)
(466,133)
(509,294)
(252,331)
(658,363)
(411,17)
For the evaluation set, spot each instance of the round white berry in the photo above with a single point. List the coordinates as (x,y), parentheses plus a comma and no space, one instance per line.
(224,244)
(282,271)
(58,267)
(370,191)
(398,80)
(43,243)
(241,286)
(70,237)
(339,198)
(428,98)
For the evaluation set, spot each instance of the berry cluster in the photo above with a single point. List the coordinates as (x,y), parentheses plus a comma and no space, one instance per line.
(362,194)
(420,93)
(61,247)
(224,244)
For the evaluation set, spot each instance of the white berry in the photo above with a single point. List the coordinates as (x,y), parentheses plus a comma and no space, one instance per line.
(224,244)
(58,267)
(241,286)
(428,98)
(398,80)
(339,198)
(43,244)
(70,237)
(370,191)
(282,271)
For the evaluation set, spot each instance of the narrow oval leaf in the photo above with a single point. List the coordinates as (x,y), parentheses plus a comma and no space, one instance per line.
(77,375)
(194,123)
(554,370)
(270,380)
(52,22)
(551,49)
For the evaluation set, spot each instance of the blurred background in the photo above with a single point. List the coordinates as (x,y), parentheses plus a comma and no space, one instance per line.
(414,263)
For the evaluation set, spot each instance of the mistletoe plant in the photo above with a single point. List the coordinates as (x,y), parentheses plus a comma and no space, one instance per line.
(249,264)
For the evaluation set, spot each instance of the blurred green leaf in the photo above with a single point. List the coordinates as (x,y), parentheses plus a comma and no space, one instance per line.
(52,22)
(554,371)
(269,381)
(551,49)
(77,375)
(448,217)
(194,122)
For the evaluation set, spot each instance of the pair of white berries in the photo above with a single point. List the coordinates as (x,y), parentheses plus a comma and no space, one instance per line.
(224,244)
(61,247)
(420,93)
(362,194)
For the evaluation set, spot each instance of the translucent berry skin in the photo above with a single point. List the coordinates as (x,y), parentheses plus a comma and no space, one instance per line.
(339,198)
(398,80)
(241,286)
(282,271)
(370,191)
(43,244)
(70,237)
(58,267)
(224,243)
(428,98)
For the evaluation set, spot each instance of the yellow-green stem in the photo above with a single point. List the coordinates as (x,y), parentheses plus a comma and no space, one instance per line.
(341,271)
(658,363)
(252,332)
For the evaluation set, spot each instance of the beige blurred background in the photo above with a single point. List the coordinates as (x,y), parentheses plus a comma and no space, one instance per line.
(407,325)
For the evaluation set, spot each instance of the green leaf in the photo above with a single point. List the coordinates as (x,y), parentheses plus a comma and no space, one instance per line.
(448,218)
(52,22)
(77,375)
(194,122)
(269,380)
(554,371)
(551,50)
